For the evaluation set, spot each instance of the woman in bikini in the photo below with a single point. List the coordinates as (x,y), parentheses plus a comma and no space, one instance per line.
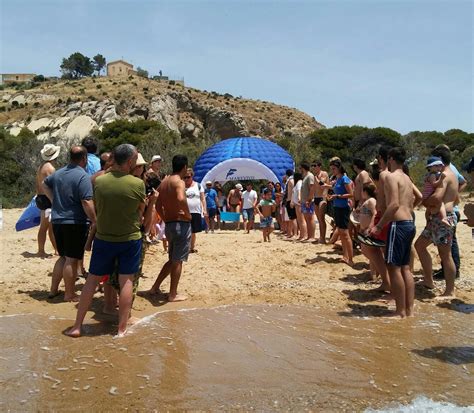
(366,213)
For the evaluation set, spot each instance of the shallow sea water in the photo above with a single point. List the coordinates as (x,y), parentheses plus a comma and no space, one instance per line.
(257,357)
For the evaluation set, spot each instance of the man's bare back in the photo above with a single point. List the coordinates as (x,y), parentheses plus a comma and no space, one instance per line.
(399,187)
(43,171)
(172,204)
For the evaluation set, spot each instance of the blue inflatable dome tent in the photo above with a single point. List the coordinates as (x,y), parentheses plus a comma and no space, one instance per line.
(241,159)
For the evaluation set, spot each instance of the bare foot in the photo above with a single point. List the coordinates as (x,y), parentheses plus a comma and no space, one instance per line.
(53,294)
(445,296)
(176,298)
(73,332)
(133,320)
(43,254)
(73,299)
(350,263)
(395,315)
(121,333)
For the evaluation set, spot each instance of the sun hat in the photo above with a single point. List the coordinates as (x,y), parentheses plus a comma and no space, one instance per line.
(434,161)
(140,160)
(50,152)
(239,186)
(155,158)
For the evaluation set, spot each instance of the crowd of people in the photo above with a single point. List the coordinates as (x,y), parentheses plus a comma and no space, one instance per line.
(115,207)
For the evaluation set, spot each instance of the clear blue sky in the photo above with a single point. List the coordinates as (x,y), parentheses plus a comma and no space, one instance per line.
(407,65)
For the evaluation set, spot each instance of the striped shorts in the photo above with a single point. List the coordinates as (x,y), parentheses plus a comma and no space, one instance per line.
(399,240)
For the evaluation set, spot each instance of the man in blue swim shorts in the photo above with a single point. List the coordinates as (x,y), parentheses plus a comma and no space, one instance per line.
(399,200)
(120,201)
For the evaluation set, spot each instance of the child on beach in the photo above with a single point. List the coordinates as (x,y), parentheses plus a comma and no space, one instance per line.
(265,208)
(160,230)
(433,179)
(366,215)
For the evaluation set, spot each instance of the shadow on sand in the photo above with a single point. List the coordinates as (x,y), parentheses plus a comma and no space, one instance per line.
(451,355)
(369,310)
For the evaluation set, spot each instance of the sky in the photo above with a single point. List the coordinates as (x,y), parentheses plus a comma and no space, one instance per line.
(406,65)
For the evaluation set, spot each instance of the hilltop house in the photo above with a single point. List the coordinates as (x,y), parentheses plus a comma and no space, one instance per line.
(120,68)
(16,77)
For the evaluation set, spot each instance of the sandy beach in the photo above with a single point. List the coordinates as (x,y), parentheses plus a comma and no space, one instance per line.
(229,268)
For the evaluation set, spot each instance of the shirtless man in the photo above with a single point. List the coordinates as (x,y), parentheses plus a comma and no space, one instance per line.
(438,234)
(363,177)
(234,200)
(291,228)
(398,215)
(49,153)
(375,254)
(172,206)
(320,197)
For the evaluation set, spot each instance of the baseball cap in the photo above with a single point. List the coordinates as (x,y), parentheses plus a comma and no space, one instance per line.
(208,182)
(155,158)
(238,186)
(434,161)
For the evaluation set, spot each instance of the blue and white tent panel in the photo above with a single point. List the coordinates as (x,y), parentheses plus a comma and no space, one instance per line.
(241,159)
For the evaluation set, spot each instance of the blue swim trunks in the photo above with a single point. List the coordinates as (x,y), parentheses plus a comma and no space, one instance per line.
(266,222)
(105,254)
(399,240)
(307,209)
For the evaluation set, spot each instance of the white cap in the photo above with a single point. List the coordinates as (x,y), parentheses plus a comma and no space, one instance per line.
(155,158)
(50,152)
(238,186)
(208,182)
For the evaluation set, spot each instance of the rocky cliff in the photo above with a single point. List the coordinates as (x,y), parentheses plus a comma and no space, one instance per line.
(71,109)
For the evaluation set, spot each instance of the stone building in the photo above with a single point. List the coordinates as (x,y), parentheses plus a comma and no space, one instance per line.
(16,77)
(120,68)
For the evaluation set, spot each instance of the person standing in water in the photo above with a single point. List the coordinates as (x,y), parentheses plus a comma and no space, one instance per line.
(398,214)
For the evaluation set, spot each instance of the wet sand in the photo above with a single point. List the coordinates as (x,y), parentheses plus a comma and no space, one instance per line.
(268,358)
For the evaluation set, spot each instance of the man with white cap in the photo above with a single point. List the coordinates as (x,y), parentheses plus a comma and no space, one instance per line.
(211,203)
(49,154)
(155,164)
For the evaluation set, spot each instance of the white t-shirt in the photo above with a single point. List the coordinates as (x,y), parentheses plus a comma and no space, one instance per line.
(295,194)
(193,196)
(249,199)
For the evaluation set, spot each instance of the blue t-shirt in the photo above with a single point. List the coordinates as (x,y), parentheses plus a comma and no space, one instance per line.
(70,185)
(461,180)
(340,189)
(93,164)
(211,195)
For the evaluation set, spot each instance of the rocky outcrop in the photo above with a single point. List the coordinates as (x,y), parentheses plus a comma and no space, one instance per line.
(56,112)
(164,109)
(80,127)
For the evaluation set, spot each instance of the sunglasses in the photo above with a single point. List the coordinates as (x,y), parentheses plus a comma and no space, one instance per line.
(187,177)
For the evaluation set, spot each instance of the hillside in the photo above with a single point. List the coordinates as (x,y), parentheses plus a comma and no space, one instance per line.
(72,108)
